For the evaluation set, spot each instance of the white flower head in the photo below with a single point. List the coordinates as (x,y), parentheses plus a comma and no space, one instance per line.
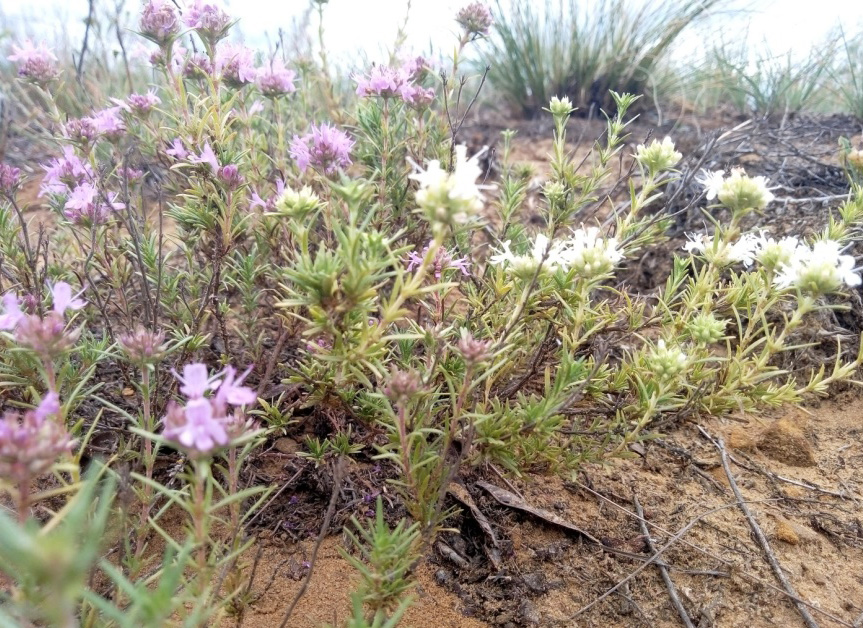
(823,269)
(722,253)
(658,156)
(591,255)
(772,253)
(524,266)
(451,197)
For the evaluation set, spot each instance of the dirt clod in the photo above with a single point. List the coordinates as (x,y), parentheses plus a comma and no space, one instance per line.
(785,442)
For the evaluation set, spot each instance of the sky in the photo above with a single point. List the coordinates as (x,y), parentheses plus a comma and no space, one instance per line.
(369,26)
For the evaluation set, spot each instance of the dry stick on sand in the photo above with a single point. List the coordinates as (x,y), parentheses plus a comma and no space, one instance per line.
(338,475)
(762,540)
(669,583)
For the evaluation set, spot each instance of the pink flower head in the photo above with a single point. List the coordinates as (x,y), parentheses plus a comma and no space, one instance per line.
(198,66)
(9,179)
(11,311)
(210,21)
(204,423)
(61,295)
(276,80)
(207,157)
(324,147)
(31,444)
(475,19)
(81,131)
(84,204)
(159,21)
(381,80)
(108,123)
(64,173)
(177,150)
(139,104)
(443,260)
(194,427)
(35,63)
(236,63)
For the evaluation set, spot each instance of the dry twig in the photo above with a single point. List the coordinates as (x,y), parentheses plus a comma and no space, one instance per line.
(666,577)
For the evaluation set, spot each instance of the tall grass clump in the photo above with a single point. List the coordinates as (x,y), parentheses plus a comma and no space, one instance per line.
(582,50)
(762,82)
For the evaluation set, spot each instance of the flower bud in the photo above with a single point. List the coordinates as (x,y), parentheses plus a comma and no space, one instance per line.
(143,346)
(560,107)
(475,19)
(472,350)
(705,329)
(298,204)
(666,362)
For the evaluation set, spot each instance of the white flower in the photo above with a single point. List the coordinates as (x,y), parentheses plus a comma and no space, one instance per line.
(712,182)
(722,253)
(658,156)
(451,197)
(525,266)
(819,270)
(772,253)
(589,253)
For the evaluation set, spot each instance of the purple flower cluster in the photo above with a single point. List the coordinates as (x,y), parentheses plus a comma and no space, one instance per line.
(9,179)
(206,422)
(82,131)
(159,22)
(197,66)
(31,444)
(64,173)
(276,80)
(475,19)
(46,335)
(443,260)
(236,64)
(389,82)
(139,105)
(209,20)
(35,63)
(325,148)
(86,205)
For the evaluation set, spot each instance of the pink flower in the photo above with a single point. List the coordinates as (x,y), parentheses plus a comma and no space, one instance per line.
(82,131)
(475,19)
(139,104)
(276,80)
(236,63)
(194,427)
(35,63)
(177,150)
(210,21)
(388,82)
(270,204)
(61,295)
(204,423)
(324,148)
(443,260)
(85,205)
(208,157)
(12,313)
(64,173)
(159,21)
(107,122)
(29,446)
(231,391)
(196,381)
